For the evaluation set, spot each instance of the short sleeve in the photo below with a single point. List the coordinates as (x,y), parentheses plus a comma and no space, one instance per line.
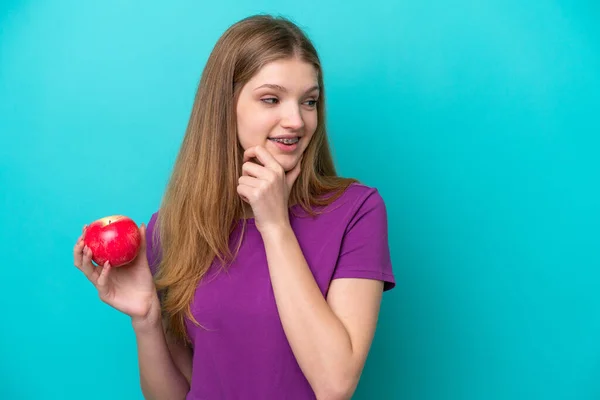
(152,244)
(365,249)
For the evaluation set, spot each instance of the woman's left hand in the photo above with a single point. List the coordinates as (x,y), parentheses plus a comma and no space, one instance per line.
(267,188)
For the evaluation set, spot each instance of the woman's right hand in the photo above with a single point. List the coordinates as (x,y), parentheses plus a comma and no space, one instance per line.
(129,288)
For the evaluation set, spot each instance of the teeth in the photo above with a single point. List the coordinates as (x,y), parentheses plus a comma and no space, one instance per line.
(287,141)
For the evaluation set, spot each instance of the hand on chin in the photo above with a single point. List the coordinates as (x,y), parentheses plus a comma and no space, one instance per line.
(287,161)
(266,186)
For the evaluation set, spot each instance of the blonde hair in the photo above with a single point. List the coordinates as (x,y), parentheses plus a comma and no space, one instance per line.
(201,207)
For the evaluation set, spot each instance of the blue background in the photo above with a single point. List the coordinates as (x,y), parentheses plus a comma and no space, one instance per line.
(478,122)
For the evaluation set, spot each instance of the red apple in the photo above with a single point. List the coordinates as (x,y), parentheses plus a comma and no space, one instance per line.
(115,239)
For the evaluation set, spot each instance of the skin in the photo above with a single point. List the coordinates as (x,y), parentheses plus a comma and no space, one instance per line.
(264,112)
(273,103)
(165,366)
(330,337)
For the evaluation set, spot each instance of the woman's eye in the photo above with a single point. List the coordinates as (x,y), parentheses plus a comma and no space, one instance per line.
(273,100)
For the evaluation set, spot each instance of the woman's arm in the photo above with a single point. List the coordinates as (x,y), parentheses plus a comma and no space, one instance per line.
(165,365)
(330,337)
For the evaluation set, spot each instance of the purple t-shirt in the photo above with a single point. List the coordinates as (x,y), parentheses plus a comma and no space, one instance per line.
(242,351)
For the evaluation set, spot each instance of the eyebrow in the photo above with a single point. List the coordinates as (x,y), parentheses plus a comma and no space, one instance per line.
(282,89)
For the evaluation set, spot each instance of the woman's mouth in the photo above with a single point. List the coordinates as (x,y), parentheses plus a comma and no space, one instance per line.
(285,144)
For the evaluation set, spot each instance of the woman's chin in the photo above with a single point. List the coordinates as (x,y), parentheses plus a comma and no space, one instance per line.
(288,162)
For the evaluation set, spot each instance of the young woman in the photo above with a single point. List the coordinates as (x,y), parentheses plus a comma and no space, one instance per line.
(261,275)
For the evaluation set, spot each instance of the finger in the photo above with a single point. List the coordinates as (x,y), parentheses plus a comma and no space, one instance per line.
(96,269)
(96,274)
(254,170)
(245,192)
(86,266)
(78,253)
(82,259)
(102,284)
(254,160)
(142,251)
(250,154)
(292,175)
(263,156)
(143,238)
(249,181)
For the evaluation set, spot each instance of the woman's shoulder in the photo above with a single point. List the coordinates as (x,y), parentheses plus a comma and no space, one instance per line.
(358,190)
(358,195)
(356,200)
(152,220)
(152,230)
(152,242)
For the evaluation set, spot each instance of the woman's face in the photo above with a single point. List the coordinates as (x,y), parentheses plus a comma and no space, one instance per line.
(280,101)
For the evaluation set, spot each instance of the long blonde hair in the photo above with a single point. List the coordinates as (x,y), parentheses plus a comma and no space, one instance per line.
(201,206)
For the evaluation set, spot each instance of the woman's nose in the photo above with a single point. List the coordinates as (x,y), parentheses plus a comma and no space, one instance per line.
(292,119)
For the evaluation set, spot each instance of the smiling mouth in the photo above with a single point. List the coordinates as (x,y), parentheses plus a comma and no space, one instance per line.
(287,141)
